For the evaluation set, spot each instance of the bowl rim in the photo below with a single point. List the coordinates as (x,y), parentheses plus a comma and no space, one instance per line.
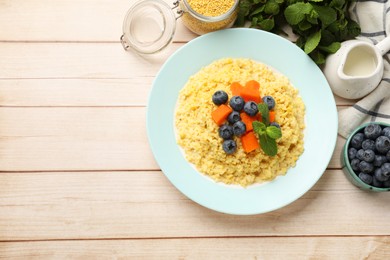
(347,164)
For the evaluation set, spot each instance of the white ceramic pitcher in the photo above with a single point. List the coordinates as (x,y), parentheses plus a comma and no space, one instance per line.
(356,68)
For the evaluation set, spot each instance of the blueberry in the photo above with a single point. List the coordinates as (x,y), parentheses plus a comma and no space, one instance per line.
(352,153)
(372,131)
(251,108)
(386,131)
(237,103)
(386,184)
(357,140)
(366,167)
(234,117)
(382,144)
(388,156)
(380,176)
(379,160)
(239,128)
(386,169)
(369,156)
(368,144)
(377,183)
(275,124)
(229,146)
(360,154)
(220,97)
(226,132)
(270,101)
(367,178)
(355,164)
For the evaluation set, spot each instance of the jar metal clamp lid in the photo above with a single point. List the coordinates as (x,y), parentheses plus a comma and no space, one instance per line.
(149,26)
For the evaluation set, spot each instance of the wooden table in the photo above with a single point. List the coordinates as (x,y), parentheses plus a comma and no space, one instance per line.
(78,178)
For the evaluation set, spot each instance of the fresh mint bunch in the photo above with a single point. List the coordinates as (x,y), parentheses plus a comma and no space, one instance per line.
(321,25)
(267,133)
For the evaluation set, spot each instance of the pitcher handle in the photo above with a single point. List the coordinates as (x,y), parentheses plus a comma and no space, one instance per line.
(384,45)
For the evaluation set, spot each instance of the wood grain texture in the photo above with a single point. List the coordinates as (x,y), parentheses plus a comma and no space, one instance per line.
(139,204)
(72,20)
(78,179)
(335,248)
(64,138)
(77,61)
(75,92)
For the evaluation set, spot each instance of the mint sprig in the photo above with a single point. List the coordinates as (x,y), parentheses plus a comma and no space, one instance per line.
(268,145)
(267,133)
(264,111)
(319,25)
(259,127)
(273,132)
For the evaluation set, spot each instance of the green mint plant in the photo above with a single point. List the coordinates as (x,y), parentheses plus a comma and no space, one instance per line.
(267,133)
(321,25)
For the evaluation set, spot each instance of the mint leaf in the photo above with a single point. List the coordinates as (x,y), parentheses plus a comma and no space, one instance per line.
(317,57)
(267,24)
(264,111)
(259,127)
(254,21)
(295,13)
(353,29)
(271,7)
(258,10)
(312,42)
(243,11)
(304,25)
(327,37)
(337,3)
(273,132)
(268,145)
(313,14)
(312,19)
(332,48)
(326,14)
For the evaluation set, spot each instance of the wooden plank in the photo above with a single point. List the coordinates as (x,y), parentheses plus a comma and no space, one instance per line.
(69,20)
(77,60)
(205,248)
(111,205)
(75,138)
(76,92)
(335,161)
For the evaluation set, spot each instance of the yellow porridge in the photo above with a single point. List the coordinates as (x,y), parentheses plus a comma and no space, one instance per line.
(197,133)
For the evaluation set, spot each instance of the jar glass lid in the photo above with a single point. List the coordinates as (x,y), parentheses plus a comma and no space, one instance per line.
(149,26)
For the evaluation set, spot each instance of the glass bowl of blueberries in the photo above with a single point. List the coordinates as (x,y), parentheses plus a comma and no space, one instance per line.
(365,157)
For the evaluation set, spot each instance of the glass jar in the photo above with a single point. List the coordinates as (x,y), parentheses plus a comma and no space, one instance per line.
(149,25)
(200,23)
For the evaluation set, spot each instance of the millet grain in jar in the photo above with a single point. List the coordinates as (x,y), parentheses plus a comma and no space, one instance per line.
(205,16)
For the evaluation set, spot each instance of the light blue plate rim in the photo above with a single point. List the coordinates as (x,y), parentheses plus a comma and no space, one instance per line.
(284,56)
